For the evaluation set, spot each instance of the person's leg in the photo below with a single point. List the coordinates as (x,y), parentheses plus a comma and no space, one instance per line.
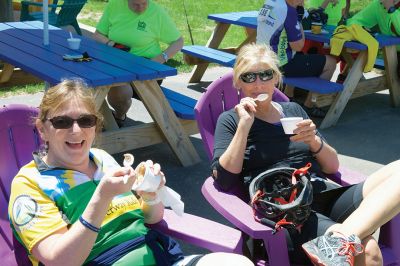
(382,195)
(120,99)
(371,255)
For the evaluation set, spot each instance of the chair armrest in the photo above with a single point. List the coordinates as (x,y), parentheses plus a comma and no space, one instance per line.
(240,214)
(347,177)
(234,210)
(200,232)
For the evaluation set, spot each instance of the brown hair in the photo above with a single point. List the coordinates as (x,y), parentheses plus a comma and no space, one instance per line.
(66,91)
(255,54)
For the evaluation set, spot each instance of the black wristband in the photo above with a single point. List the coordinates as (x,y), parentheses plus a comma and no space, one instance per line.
(392,9)
(320,147)
(89,225)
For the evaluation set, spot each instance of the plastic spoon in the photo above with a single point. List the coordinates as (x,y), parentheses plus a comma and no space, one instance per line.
(261,97)
(128,161)
(70,34)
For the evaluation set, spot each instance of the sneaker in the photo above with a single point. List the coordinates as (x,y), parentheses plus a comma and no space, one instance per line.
(332,250)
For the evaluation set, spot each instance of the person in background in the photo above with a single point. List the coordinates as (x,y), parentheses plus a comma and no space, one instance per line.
(71,206)
(249,139)
(279,25)
(337,10)
(140,27)
(385,15)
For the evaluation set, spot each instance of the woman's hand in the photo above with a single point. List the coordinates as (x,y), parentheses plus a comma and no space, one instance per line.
(156,170)
(113,184)
(305,132)
(245,110)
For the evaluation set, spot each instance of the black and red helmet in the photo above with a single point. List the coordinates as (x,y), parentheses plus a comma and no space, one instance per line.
(282,197)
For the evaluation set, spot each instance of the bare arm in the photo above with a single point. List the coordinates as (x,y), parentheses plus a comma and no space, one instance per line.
(103,38)
(172,49)
(232,159)
(71,246)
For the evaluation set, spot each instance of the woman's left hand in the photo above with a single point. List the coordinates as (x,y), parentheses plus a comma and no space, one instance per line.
(156,169)
(305,132)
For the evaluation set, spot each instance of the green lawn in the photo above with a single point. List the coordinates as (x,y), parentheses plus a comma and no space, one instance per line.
(201,27)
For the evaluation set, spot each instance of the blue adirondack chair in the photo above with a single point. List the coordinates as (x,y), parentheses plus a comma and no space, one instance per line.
(59,15)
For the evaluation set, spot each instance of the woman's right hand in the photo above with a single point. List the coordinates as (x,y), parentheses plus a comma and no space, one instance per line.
(245,110)
(113,184)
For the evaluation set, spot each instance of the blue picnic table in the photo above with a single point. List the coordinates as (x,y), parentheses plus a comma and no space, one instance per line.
(21,46)
(342,93)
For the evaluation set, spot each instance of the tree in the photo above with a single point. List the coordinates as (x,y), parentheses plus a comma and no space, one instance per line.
(6,11)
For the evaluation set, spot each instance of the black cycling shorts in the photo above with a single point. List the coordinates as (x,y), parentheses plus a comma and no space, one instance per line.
(304,65)
(329,207)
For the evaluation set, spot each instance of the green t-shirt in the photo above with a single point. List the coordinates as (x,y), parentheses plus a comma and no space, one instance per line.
(142,32)
(376,14)
(334,12)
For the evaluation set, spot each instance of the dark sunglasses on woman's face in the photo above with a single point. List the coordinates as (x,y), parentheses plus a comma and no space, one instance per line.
(65,122)
(250,77)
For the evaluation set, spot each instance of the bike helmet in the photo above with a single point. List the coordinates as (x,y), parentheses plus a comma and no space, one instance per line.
(282,197)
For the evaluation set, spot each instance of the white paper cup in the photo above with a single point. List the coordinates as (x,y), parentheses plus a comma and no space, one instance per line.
(74,43)
(290,123)
(146,180)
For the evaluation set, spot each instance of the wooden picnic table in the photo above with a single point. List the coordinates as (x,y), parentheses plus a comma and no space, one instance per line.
(337,101)
(21,46)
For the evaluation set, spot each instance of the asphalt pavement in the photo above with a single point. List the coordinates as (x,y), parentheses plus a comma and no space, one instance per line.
(367,136)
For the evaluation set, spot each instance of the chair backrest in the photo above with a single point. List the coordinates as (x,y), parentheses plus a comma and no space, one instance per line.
(69,11)
(219,97)
(18,139)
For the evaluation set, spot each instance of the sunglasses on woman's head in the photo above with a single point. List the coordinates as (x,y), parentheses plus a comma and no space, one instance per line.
(250,77)
(65,122)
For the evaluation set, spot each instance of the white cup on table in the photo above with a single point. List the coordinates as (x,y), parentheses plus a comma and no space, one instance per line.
(74,43)
(290,123)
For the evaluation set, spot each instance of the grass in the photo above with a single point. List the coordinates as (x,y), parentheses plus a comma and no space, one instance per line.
(201,27)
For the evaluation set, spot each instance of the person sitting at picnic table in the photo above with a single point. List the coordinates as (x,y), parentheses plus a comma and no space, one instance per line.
(279,26)
(249,139)
(385,15)
(138,26)
(70,205)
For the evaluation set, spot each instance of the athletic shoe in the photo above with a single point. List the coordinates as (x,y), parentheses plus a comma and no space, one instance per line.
(332,250)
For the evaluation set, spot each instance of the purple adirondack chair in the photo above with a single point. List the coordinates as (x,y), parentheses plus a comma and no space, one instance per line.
(221,96)
(19,138)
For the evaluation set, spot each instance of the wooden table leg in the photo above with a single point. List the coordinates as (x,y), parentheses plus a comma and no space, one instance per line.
(213,42)
(342,98)
(100,94)
(6,73)
(251,37)
(392,78)
(160,110)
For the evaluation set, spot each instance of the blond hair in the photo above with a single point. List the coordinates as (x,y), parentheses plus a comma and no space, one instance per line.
(66,91)
(255,54)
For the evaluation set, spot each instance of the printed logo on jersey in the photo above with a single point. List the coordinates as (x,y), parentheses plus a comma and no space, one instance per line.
(141,26)
(267,15)
(24,210)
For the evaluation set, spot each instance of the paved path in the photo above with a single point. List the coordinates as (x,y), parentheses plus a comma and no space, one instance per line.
(366,137)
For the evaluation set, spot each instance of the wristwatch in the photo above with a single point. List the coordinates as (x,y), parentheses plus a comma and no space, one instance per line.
(165,56)
(392,9)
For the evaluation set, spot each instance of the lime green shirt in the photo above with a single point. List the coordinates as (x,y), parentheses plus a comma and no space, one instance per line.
(142,32)
(334,12)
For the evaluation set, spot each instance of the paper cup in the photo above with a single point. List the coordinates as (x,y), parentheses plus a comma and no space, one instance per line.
(74,43)
(316,28)
(290,123)
(146,180)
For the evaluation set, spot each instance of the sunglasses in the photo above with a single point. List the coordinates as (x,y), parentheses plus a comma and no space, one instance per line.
(250,77)
(65,122)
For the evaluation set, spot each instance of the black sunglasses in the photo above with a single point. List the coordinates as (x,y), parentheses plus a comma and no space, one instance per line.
(250,77)
(65,122)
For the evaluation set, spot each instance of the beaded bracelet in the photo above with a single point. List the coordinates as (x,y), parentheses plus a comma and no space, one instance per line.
(89,225)
(320,147)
